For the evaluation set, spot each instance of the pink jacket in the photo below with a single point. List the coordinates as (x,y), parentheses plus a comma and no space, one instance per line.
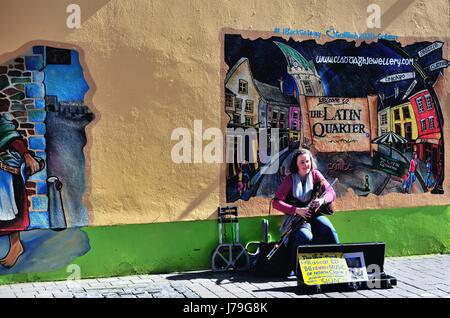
(285,191)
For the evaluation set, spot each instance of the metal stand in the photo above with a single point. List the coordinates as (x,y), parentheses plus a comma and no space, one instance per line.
(229,256)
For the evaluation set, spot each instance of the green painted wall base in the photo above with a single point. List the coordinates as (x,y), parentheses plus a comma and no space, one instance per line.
(184,246)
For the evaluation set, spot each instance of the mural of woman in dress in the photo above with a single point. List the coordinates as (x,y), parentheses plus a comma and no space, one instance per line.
(16,163)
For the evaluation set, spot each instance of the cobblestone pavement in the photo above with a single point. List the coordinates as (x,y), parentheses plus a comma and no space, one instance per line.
(418,277)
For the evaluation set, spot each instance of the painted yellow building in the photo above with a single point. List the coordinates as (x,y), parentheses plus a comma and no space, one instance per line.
(403,121)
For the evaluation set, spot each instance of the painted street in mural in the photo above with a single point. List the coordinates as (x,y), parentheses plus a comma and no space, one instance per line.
(46,250)
(42,164)
(371,114)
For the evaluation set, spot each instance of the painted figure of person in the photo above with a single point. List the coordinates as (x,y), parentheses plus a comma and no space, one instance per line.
(366,183)
(412,171)
(240,182)
(405,180)
(294,195)
(246,174)
(15,164)
(437,186)
(428,182)
(282,172)
(439,171)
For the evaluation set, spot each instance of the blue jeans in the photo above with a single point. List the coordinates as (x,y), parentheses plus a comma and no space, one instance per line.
(317,231)
(412,178)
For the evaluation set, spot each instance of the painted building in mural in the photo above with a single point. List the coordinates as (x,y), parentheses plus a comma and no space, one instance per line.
(400,119)
(276,106)
(266,107)
(303,71)
(384,120)
(294,124)
(337,94)
(240,82)
(241,105)
(403,122)
(428,143)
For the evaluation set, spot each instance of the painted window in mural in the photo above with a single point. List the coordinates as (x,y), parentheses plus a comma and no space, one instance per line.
(369,113)
(42,136)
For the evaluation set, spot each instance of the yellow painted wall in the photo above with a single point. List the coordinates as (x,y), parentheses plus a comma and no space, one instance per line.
(402,120)
(156,66)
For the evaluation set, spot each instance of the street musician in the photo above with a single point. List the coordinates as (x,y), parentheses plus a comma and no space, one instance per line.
(304,196)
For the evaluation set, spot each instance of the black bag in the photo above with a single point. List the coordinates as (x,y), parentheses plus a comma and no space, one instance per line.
(278,266)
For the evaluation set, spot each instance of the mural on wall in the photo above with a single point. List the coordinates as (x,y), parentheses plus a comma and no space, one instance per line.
(42,164)
(370,113)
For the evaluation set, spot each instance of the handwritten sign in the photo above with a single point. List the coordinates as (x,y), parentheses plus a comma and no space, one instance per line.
(332,268)
(323,270)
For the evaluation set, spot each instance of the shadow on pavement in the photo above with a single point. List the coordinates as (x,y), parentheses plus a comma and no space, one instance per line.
(223,278)
(228,277)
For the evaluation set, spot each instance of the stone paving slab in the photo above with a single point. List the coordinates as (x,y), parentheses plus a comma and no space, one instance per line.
(424,276)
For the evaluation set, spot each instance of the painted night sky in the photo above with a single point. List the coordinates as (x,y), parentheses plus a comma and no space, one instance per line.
(268,63)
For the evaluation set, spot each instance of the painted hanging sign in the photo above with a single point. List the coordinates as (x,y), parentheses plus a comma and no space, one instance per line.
(334,124)
(437,65)
(398,77)
(388,165)
(430,48)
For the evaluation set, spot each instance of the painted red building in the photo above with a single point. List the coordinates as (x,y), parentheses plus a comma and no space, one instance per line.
(429,130)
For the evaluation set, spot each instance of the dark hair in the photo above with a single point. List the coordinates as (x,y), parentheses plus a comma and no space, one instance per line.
(293,168)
